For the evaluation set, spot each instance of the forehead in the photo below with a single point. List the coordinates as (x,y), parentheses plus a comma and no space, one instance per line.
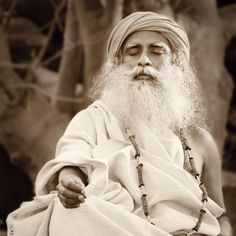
(145,37)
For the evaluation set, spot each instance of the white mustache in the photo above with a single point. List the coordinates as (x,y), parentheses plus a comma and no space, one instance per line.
(144,70)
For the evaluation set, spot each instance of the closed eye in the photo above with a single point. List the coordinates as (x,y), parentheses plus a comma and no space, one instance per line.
(132,51)
(157,50)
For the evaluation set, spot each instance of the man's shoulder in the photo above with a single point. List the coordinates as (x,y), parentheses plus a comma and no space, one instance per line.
(95,115)
(92,111)
(203,141)
(202,136)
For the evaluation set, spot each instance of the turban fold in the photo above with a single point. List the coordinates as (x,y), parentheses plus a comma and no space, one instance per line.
(149,21)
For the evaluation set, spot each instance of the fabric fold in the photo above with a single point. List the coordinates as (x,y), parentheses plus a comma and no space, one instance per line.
(113,202)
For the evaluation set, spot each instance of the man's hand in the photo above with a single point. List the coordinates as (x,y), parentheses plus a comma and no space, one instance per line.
(71,191)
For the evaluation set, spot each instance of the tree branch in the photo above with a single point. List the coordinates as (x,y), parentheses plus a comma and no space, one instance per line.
(51,96)
(8,14)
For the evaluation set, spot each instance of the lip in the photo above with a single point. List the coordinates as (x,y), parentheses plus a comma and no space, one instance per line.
(143,77)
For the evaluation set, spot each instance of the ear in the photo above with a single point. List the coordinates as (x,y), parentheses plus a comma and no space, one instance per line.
(116,61)
(174,59)
(118,58)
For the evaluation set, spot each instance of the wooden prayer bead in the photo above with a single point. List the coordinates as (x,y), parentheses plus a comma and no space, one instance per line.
(145,206)
(187,148)
(137,155)
(140,174)
(136,147)
(192,163)
(197,226)
(204,192)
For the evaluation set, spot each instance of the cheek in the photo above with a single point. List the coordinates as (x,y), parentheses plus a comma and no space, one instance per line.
(158,61)
(130,61)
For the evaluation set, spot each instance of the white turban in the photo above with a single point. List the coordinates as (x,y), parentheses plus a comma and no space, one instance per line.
(150,21)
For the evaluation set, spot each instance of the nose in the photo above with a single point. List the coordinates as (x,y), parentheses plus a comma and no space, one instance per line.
(144,61)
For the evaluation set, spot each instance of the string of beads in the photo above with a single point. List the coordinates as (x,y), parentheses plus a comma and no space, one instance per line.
(196,175)
(139,167)
(193,171)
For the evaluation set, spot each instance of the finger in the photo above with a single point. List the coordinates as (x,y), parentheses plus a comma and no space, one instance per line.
(71,205)
(83,193)
(81,198)
(68,200)
(67,204)
(66,192)
(73,184)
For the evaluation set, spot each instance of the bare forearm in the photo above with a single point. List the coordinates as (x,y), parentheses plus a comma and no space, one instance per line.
(225,226)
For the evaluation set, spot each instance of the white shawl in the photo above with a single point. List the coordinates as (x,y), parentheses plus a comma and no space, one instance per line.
(94,142)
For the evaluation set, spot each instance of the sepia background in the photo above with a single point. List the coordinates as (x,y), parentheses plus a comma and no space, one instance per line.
(50,51)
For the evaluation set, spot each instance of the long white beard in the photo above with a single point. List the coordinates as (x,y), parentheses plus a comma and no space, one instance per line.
(170,100)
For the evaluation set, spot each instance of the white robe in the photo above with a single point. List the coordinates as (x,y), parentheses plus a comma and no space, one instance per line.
(94,142)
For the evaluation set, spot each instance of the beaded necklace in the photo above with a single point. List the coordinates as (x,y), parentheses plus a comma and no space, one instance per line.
(193,172)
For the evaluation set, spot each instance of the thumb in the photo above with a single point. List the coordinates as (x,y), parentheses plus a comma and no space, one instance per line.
(73,183)
(79,185)
(77,180)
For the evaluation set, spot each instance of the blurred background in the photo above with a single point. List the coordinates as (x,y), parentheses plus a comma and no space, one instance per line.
(50,51)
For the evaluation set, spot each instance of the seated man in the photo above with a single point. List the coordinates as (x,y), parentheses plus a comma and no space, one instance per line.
(138,161)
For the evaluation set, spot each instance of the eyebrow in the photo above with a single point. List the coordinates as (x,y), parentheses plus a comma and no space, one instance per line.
(160,45)
(132,45)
